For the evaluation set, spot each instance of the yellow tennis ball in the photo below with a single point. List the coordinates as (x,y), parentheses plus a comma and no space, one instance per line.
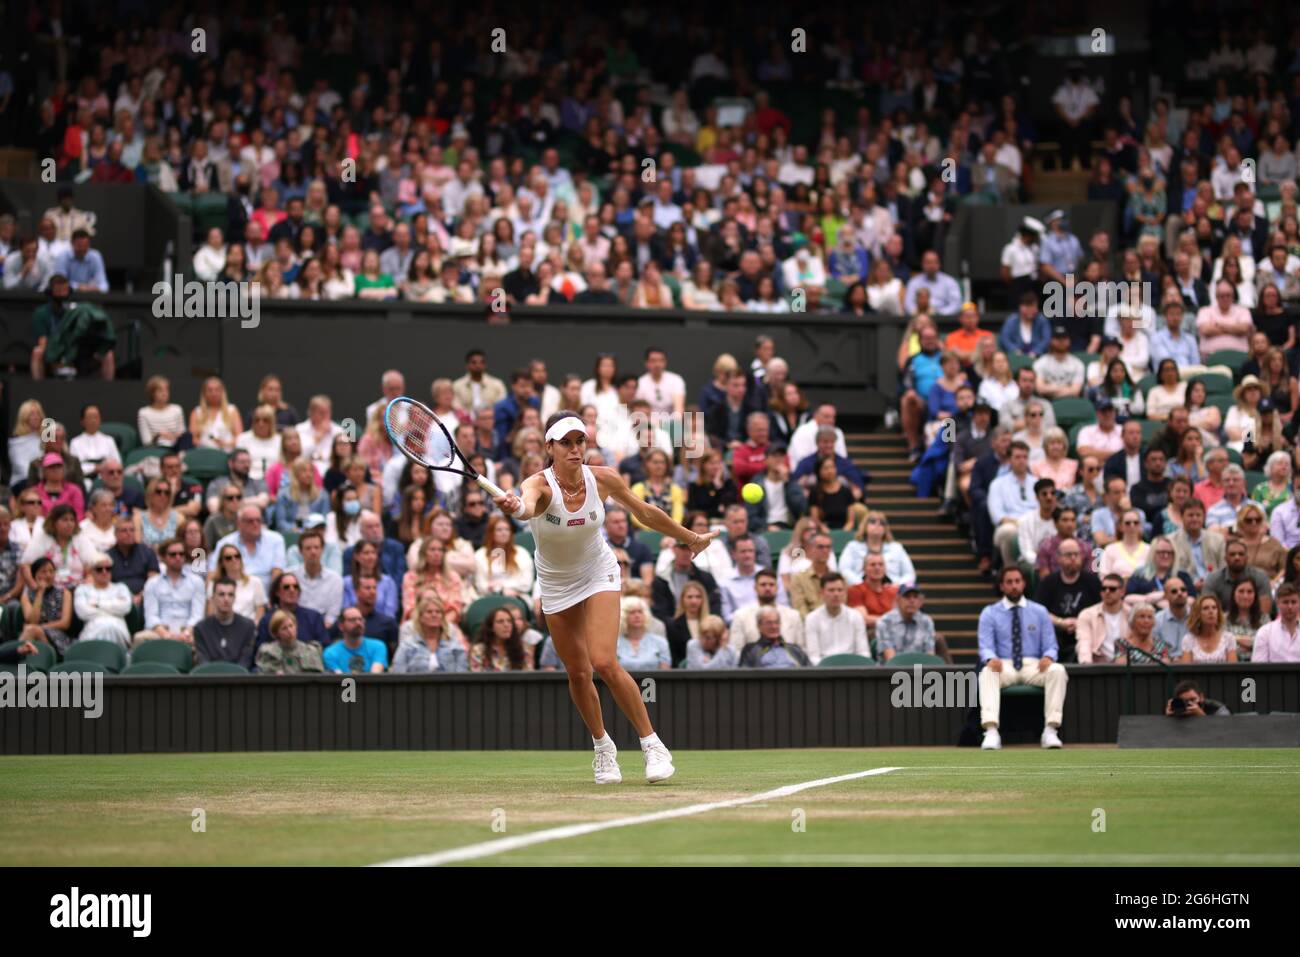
(752,493)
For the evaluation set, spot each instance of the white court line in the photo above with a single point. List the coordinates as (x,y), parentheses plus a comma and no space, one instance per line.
(502,845)
(918,859)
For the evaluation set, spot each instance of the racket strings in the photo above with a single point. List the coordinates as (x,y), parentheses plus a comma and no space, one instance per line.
(423,437)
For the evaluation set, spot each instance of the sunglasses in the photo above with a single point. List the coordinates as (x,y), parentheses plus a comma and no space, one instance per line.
(290,586)
(174,554)
(1110,588)
(102,568)
(232,498)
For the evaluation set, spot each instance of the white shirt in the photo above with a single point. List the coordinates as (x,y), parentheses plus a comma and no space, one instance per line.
(826,634)
(803,442)
(318,452)
(263,453)
(1075,99)
(660,394)
(1020,258)
(93,449)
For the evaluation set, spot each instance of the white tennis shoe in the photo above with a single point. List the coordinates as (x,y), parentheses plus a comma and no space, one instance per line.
(1050,738)
(605,765)
(658,763)
(992,740)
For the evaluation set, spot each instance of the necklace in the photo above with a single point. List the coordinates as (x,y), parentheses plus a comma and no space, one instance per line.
(567,494)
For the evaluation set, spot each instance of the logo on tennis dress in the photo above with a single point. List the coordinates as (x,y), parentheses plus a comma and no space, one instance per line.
(553,519)
(577,521)
(592,513)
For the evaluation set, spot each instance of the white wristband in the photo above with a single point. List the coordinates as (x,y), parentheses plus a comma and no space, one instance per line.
(519,512)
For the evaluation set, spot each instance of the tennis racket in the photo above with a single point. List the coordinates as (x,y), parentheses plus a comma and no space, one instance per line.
(420,435)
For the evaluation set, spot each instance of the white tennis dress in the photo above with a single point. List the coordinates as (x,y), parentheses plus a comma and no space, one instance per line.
(572,559)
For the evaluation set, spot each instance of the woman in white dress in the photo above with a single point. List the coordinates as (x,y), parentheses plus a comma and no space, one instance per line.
(214,423)
(1208,640)
(580,583)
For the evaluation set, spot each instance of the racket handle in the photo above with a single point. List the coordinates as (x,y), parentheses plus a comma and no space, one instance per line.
(489,487)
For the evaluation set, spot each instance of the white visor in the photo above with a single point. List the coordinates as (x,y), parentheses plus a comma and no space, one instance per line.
(570,423)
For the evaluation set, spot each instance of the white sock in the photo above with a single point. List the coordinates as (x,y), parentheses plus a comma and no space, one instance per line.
(605,743)
(650,739)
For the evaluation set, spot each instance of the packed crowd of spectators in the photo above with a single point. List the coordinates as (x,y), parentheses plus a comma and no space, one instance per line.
(315,549)
(587,168)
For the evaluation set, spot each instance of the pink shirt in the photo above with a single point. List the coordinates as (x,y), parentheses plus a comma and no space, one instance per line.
(1224,330)
(68,495)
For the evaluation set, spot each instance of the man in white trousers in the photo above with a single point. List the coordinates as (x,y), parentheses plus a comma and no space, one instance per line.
(1017,645)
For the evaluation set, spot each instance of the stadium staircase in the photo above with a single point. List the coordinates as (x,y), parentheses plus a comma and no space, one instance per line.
(945,569)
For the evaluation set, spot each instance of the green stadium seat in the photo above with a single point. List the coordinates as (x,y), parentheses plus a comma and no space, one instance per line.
(778,540)
(8,669)
(183,202)
(43,660)
(1234,457)
(909,658)
(1215,383)
(147,452)
(1253,478)
(650,539)
(206,464)
(211,668)
(1019,361)
(1234,359)
(1071,411)
(174,654)
(684,663)
(107,653)
(675,287)
(210,212)
(478,611)
(1074,436)
(1146,384)
(846,661)
(839,538)
(148,668)
(124,434)
(85,666)
(1221,402)
(525,540)
(1149,428)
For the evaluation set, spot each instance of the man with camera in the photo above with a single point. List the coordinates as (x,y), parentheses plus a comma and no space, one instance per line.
(1189,702)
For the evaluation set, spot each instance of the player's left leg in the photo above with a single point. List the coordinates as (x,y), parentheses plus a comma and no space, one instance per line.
(602,610)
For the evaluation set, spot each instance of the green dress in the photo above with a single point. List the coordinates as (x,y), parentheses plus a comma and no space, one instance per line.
(1260,493)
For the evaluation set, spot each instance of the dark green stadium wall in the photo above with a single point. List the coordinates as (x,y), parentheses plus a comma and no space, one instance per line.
(692,710)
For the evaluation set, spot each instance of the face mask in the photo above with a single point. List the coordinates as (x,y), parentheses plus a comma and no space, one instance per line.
(352,508)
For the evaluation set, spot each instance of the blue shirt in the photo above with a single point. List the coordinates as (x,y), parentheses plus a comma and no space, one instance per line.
(386,595)
(653,651)
(1012,341)
(945,294)
(926,371)
(1037,635)
(85,273)
(1062,251)
(1010,497)
(176,604)
(1182,350)
(269,555)
(340,658)
(392,559)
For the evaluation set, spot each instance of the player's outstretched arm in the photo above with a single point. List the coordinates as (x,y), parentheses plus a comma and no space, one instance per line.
(532,499)
(611,484)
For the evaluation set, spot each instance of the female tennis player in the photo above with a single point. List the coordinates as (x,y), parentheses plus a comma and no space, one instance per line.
(580,583)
